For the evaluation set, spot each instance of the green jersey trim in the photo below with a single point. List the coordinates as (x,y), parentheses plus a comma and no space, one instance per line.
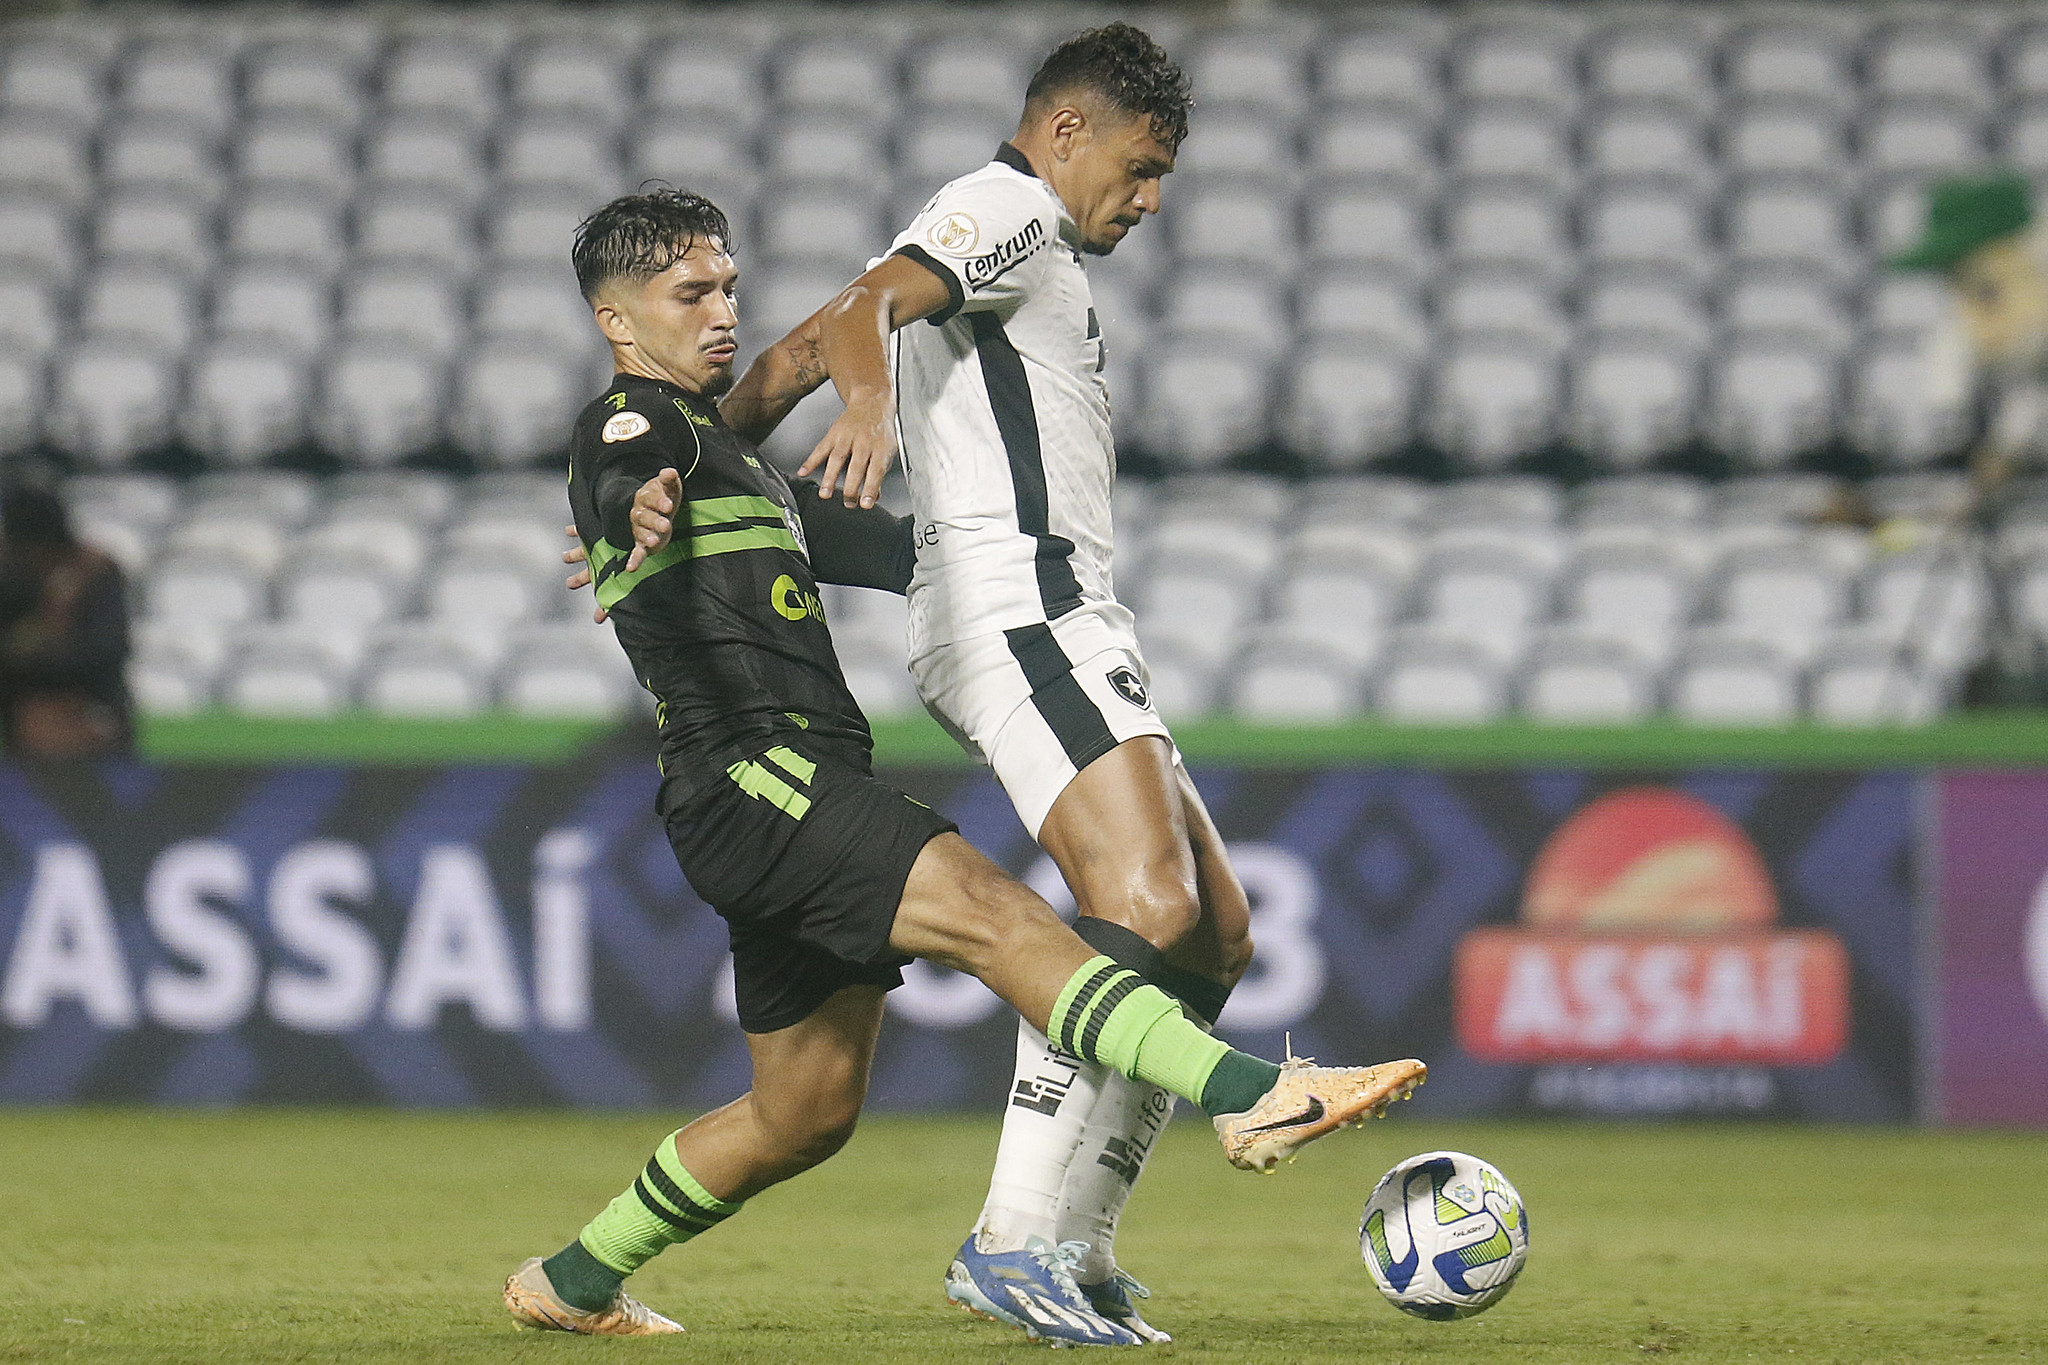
(722,533)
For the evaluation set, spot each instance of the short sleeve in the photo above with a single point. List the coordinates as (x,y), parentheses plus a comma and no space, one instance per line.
(983,238)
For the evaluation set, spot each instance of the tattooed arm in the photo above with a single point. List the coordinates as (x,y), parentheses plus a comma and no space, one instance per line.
(780,378)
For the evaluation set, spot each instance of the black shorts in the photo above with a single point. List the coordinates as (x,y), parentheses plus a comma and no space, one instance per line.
(805,858)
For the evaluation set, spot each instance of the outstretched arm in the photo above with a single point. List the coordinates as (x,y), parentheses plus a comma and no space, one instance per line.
(848,337)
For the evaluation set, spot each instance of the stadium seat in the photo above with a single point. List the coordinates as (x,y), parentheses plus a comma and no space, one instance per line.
(22,377)
(1181,688)
(1293,683)
(1921,137)
(1784,135)
(548,687)
(380,402)
(295,151)
(1649,137)
(1503,302)
(44,157)
(320,82)
(419,679)
(409,304)
(1382,309)
(280,227)
(534,230)
(113,401)
(942,143)
(54,78)
(161,155)
(816,222)
(1789,59)
(1433,681)
(408,228)
(1575,680)
(1195,616)
(205,588)
(1257,69)
(442,82)
(1508,137)
(709,78)
(154,226)
(1870,686)
(351,591)
(1361,223)
(1660,60)
(1938,61)
(1638,598)
(822,149)
(1492,399)
(274,305)
(1788,598)
(1894,414)
(1770,398)
(577,80)
(1632,397)
(1521,61)
(1240,145)
(1392,63)
(1502,221)
(552,151)
(1225,308)
(285,680)
(966,72)
(36,237)
(1347,404)
(246,400)
(515,402)
(1788,220)
(190,83)
(1648,225)
(1382,145)
(1734,682)
(1488,601)
(1237,226)
(431,151)
(139,304)
(1767,299)
(838,73)
(1205,402)
(1904,307)
(164,684)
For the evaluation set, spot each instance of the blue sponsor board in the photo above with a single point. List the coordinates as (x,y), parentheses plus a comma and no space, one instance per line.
(508,935)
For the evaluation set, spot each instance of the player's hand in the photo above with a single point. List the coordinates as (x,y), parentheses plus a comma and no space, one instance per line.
(856,453)
(576,554)
(654,509)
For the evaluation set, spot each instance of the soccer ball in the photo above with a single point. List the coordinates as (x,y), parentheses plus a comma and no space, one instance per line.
(1444,1235)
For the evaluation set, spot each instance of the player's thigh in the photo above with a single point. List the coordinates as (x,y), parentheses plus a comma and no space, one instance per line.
(962,911)
(1119,833)
(1222,939)
(811,1077)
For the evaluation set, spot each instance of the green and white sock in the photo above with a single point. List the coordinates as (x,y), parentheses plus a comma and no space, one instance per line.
(1109,1014)
(663,1206)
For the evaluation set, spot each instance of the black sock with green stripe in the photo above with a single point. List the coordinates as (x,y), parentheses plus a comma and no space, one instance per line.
(1130,949)
(665,1205)
(1109,1014)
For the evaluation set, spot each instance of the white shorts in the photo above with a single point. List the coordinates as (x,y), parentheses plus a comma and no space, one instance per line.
(1041,702)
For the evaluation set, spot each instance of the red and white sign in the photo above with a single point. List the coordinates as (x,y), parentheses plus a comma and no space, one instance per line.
(1779,999)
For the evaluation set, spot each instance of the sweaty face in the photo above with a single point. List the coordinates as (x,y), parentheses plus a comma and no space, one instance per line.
(2003,298)
(1110,178)
(681,325)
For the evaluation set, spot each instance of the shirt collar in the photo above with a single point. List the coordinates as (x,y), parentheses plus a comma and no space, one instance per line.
(1015,160)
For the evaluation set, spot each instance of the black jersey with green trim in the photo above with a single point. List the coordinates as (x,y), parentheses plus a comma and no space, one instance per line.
(724,626)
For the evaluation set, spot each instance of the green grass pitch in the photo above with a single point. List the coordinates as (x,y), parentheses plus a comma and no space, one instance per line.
(131,1235)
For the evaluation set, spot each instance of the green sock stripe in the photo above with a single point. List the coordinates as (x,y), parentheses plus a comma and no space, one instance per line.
(682,1223)
(678,1202)
(1105,1005)
(1095,973)
(672,1166)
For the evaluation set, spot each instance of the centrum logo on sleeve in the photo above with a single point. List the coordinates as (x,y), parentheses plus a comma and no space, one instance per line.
(956,232)
(625,426)
(990,266)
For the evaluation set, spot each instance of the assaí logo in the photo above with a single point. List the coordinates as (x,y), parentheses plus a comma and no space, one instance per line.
(1648,935)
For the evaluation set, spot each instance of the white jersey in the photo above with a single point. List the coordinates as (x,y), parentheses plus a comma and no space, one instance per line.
(1003,413)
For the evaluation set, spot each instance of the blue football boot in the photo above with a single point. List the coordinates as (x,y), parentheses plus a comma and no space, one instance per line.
(1112,1299)
(1033,1289)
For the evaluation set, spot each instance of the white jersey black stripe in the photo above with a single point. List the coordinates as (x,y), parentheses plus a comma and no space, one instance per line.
(1003,413)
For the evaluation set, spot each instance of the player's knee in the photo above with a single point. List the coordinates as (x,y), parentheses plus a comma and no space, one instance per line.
(805,1136)
(1162,908)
